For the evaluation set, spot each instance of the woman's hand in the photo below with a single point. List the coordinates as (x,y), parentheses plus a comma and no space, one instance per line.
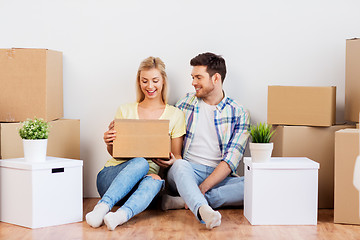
(111,125)
(110,135)
(165,163)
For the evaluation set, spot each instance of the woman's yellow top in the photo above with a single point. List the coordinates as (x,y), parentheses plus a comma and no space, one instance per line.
(176,127)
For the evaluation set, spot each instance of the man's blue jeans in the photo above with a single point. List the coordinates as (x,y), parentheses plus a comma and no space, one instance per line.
(185,177)
(115,182)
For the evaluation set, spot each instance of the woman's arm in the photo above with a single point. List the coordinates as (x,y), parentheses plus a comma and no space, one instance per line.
(109,137)
(176,148)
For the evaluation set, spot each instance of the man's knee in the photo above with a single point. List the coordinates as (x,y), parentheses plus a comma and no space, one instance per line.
(180,164)
(175,170)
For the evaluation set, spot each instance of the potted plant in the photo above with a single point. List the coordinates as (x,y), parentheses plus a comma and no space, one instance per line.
(261,147)
(35,135)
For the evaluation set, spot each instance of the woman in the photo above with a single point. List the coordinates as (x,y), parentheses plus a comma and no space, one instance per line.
(119,177)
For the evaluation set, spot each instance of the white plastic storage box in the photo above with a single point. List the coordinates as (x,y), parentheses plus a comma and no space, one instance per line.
(282,191)
(41,194)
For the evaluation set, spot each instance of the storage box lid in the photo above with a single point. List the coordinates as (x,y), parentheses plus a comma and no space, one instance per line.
(51,162)
(283,163)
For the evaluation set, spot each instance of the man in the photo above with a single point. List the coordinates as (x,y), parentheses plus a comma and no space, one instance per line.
(215,140)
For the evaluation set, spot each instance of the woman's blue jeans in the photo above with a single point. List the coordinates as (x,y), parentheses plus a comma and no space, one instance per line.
(185,177)
(115,182)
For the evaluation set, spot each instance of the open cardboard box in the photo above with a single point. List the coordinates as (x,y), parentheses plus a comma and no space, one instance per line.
(141,138)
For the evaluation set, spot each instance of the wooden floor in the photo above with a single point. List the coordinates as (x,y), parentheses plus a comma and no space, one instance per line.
(181,224)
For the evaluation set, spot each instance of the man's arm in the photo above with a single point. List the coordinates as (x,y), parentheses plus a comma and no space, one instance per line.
(218,175)
(233,154)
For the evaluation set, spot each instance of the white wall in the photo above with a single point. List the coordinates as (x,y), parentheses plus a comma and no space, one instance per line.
(264,42)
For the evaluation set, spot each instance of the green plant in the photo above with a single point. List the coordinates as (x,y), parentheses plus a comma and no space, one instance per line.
(261,133)
(34,129)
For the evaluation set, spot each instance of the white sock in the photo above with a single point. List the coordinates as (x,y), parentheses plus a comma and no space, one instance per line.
(210,217)
(170,202)
(95,217)
(114,219)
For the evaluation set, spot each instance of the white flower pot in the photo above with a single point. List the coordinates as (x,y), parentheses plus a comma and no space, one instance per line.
(261,152)
(35,150)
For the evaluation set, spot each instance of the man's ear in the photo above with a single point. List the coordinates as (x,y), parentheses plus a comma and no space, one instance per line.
(216,78)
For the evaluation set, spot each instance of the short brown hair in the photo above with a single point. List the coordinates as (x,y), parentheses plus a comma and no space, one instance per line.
(147,64)
(214,63)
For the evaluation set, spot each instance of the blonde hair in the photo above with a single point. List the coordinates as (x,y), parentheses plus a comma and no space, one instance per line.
(147,64)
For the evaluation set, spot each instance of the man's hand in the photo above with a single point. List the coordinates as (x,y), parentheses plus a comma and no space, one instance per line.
(203,188)
(165,163)
(219,174)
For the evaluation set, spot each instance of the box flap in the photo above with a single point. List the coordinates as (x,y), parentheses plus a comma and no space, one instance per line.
(142,126)
(284,163)
(141,138)
(51,162)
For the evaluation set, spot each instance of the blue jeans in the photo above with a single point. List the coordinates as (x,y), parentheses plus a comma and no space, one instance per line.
(185,177)
(115,182)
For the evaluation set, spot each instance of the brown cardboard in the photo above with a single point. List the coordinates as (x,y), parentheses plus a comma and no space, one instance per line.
(352,80)
(63,141)
(306,106)
(141,138)
(31,83)
(346,207)
(357,125)
(316,143)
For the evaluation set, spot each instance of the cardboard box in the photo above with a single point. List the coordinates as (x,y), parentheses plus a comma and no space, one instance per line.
(31,83)
(142,138)
(346,208)
(64,139)
(316,143)
(282,191)
(352,80)
(307,106)
(41,194)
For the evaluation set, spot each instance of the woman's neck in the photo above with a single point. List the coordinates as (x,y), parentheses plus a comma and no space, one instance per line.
(152,103)
(151,109)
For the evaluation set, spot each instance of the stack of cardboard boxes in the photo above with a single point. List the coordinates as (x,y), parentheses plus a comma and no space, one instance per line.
(346,207)
(304,119)
(31,83)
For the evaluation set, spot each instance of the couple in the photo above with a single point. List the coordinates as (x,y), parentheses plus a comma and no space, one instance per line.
(204,153)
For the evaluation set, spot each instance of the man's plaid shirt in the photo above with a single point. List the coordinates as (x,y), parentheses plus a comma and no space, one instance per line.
(232,124)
